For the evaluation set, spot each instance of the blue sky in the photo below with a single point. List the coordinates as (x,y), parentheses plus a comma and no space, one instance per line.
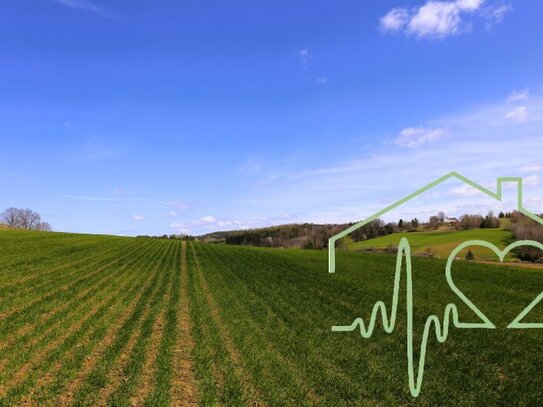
(133,117)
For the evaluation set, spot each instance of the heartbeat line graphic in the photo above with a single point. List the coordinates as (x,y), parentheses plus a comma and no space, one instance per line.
(441,330)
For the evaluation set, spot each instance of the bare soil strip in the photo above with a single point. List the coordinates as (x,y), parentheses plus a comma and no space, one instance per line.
(64,287)
(116,374)
(184,390)
(68,395)
(295,373)
(26,329)
(149,368)
(20,375)
(39,272)
(252,394)
(147,380)
(124,287)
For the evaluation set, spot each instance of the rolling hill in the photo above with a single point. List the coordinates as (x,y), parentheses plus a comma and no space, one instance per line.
(441,243)
(88,320)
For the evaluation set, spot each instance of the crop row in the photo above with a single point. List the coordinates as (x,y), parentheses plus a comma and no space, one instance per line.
(102,332)
(264,336)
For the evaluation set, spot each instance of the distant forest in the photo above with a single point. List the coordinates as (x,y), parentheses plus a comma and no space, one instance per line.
(315,236)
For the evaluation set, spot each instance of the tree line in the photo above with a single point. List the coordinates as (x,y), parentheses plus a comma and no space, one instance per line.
(305,235)
(24,219)
(169,237)
(315,236)
(524,228)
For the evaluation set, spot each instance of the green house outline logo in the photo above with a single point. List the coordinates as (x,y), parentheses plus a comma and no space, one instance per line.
(496,195)
(451,312)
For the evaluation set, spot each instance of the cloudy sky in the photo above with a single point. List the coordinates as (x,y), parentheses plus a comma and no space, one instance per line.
(151,117)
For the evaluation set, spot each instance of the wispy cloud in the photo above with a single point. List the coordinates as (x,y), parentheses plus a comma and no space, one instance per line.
(120,197)
(479,143)
(177,204)
(413,137)
(518,114)
(439,19)
(138,218)
(465,190)
(530,168)
(211,223)
(531,180)
(518,95)
(87,6)
(91,198)
(495,13)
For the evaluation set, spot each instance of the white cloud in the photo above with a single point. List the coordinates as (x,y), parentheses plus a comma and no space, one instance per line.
(85,6)
(531,180)
(138,217)
(435,19)
(413,137)
(530,168)
(208,219)
(172,213)
(439,19)
(518,95)
(395,19)
(518,114)
(465,190)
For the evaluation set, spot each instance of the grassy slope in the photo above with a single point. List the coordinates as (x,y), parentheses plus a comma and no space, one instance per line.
(442,242)
(76,315)
(278,307)
(78,324)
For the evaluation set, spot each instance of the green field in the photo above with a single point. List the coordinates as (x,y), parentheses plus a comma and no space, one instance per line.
(98,320)
(441,243)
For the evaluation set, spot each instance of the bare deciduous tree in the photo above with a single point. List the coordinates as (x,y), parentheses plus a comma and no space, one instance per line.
(524,228)
(29,219)
(44,226)
(470,221)
(24,219)
(10,217)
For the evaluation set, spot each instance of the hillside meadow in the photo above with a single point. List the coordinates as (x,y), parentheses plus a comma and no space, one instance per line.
(102,320)
(440,243)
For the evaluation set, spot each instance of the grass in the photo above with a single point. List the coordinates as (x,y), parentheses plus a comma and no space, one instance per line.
(88,320)
(279,306)
(441,243)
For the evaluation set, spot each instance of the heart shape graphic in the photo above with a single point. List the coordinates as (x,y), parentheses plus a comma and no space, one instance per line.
(516,324)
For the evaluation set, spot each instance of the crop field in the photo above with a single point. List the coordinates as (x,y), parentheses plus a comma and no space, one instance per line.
(98,320)
(441,243)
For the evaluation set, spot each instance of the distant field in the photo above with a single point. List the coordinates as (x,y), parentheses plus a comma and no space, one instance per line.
(96,320)
(442,243)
